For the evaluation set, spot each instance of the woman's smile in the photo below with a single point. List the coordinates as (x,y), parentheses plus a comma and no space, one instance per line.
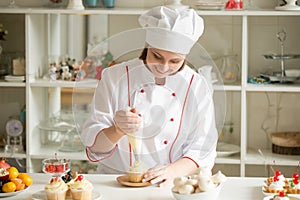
(163,63)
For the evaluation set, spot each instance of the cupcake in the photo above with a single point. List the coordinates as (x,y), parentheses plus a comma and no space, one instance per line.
(136,172)
(81,189)
(56,189)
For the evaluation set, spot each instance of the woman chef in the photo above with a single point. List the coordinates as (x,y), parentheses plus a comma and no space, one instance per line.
(173,113)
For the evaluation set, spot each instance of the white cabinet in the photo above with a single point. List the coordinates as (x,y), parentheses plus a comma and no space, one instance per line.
(247,34)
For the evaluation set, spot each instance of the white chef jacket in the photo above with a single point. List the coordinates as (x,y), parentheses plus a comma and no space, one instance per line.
(178,118)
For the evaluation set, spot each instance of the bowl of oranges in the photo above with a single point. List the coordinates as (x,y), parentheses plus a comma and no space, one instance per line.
(12,182)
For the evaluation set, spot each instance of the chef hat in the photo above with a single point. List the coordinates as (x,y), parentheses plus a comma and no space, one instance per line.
(175,30)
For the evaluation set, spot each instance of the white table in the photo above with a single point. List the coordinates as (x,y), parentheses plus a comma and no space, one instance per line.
(235,188)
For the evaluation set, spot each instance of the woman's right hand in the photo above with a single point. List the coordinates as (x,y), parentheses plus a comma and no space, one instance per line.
(128,121)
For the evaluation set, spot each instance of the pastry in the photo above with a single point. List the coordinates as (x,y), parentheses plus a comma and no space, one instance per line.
(201,181)
(136,172)
(56,189)
(294,185)
(280,196)
(81,189)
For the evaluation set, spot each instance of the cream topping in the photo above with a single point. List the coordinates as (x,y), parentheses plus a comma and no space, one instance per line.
(81,185)
(138,166)
(276,185)
(57,184)
(136,143)
(280,198)
(297,186)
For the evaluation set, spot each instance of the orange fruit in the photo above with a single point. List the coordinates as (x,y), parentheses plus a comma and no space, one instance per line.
(13,172)
(16,181)
(9,187)
(20,187)
(21,175)
(26,179)
(19,183)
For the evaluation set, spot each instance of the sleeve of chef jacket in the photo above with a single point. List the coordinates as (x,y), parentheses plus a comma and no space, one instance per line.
(101,116)
(202,140)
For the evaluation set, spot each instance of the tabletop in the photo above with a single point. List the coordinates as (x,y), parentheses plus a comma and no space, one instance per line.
(234,188)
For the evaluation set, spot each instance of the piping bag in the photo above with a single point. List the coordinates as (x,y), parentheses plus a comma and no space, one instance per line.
(135,140)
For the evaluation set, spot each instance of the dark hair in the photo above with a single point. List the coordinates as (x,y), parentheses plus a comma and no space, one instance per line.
(143,57)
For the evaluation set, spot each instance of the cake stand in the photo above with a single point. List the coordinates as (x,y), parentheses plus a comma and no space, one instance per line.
(291,5)
(55,166)
(281,75)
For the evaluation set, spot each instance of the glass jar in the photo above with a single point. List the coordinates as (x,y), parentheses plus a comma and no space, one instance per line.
(230,68)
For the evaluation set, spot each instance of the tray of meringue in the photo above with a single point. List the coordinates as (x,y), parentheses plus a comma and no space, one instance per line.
(200,185)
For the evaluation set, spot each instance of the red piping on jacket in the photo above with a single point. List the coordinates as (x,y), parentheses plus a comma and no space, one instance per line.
(86,150)
(111,153)
(191,160)
(129,104)
(185,99)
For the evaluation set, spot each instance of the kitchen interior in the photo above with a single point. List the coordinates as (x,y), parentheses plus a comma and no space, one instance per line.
(255,49)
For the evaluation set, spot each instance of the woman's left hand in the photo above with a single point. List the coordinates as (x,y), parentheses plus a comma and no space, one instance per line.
(161,175)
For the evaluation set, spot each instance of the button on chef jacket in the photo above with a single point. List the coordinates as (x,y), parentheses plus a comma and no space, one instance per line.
(178,118)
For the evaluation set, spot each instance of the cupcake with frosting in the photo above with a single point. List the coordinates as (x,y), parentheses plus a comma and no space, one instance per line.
(81,189)
(56,189)
(136,172)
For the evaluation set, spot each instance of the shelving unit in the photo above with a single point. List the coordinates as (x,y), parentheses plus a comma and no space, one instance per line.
(243,23)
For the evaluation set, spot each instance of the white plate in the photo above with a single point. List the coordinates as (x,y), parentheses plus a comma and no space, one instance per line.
(41,195)
(224,149)
(9,194)
(209,7)
(10,78)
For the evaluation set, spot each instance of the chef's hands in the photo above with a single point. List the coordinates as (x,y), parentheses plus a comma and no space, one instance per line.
(128,121)
(160,175)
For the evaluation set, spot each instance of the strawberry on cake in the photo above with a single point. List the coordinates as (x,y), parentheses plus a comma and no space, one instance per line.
(294,185)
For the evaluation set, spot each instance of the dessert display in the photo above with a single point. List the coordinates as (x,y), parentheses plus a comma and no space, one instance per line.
(56,166)
(279,184)
(71,186)
(56,189)
(200,185)
(11,180)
